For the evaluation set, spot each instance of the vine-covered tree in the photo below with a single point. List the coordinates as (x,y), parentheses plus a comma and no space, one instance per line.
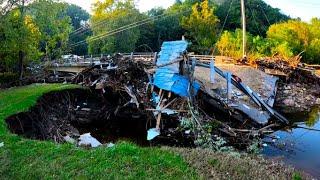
(201,26)
(79,19)
(113,28)
(19,37)
(54,26)
(259,15)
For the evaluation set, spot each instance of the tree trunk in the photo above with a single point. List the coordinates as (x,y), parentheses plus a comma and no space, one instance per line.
(21,60)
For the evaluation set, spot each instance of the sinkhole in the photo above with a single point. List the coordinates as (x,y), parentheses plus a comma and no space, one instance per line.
(78,111)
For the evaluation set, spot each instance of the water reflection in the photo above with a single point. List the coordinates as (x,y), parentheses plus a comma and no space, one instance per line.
(313,117)
(299,147)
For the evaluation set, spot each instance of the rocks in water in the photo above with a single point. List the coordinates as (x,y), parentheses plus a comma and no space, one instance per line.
(297,97)
(288,102)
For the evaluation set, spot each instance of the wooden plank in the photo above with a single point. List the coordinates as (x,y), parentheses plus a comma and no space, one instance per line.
(275,72)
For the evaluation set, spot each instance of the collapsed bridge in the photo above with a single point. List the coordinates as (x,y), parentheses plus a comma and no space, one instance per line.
(176,87)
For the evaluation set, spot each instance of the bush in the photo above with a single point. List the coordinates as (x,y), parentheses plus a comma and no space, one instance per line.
(8,77)
(285,40)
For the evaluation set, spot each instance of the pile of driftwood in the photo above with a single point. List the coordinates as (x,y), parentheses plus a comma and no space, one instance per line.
(302,73)
(163,94)
(198,117)
(298,89)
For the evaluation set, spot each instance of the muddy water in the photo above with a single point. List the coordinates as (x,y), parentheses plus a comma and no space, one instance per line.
(298,147)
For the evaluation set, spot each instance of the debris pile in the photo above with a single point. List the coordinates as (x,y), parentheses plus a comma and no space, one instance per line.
(299,86)
(175,102)
(160,101)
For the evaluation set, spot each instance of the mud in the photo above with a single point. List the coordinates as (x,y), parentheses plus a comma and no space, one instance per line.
(78,111)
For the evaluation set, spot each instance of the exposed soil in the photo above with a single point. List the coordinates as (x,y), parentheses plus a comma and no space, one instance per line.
(299,90)
(78,111)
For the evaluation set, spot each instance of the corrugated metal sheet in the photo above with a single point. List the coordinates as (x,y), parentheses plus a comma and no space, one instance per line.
(168,77)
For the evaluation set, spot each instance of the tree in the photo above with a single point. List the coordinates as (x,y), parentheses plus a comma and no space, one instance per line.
(201,25)
(230,44)
(79,18)
(259,15)
(313,50)
(18,34)
(290,38)
(165,27)
(111,28)
(19,38)
(54,26)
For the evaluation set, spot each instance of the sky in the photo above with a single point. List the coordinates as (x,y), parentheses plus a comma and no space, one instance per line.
(305,9)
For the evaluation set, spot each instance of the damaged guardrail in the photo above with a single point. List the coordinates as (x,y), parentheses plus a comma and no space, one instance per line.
(167,91)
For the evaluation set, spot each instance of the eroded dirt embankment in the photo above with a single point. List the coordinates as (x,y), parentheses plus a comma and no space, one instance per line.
(77,111)
(74,112)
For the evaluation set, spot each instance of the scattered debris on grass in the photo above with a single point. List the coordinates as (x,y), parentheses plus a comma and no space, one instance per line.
(87,140)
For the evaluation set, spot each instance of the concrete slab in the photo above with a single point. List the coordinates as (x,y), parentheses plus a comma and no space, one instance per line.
(258,81)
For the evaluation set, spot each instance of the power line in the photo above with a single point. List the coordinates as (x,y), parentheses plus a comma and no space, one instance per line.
(86,28)
(120,29)
(224,23)
(124,28)
(107,34)
(254,19)
(265,15)
(105,21)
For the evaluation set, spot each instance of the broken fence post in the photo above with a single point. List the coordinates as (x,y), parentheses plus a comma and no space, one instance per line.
(131,56)
(155,58)
(212,72)
(229,90)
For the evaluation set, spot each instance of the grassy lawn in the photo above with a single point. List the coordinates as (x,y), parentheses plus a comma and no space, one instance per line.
(29,159)
(22,158)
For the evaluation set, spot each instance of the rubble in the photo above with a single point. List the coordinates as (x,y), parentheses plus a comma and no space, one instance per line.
(298,89)
(160,101)
(168,91)
(297,97)
(87,140)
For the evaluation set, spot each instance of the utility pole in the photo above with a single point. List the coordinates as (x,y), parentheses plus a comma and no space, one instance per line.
(22,31)
(244,39)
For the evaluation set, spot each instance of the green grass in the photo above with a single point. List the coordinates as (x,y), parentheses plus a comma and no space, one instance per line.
(22,158)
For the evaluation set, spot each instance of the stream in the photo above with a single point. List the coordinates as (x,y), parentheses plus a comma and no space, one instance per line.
(298,147)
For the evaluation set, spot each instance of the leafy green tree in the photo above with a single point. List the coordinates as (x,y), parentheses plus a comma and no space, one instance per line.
(79,18)
(19,38)
(108,16)
(165,27)
(201,25)
(18,35)
(54,26)
(230,44)
(259,15)
(313,50)
(290,38)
